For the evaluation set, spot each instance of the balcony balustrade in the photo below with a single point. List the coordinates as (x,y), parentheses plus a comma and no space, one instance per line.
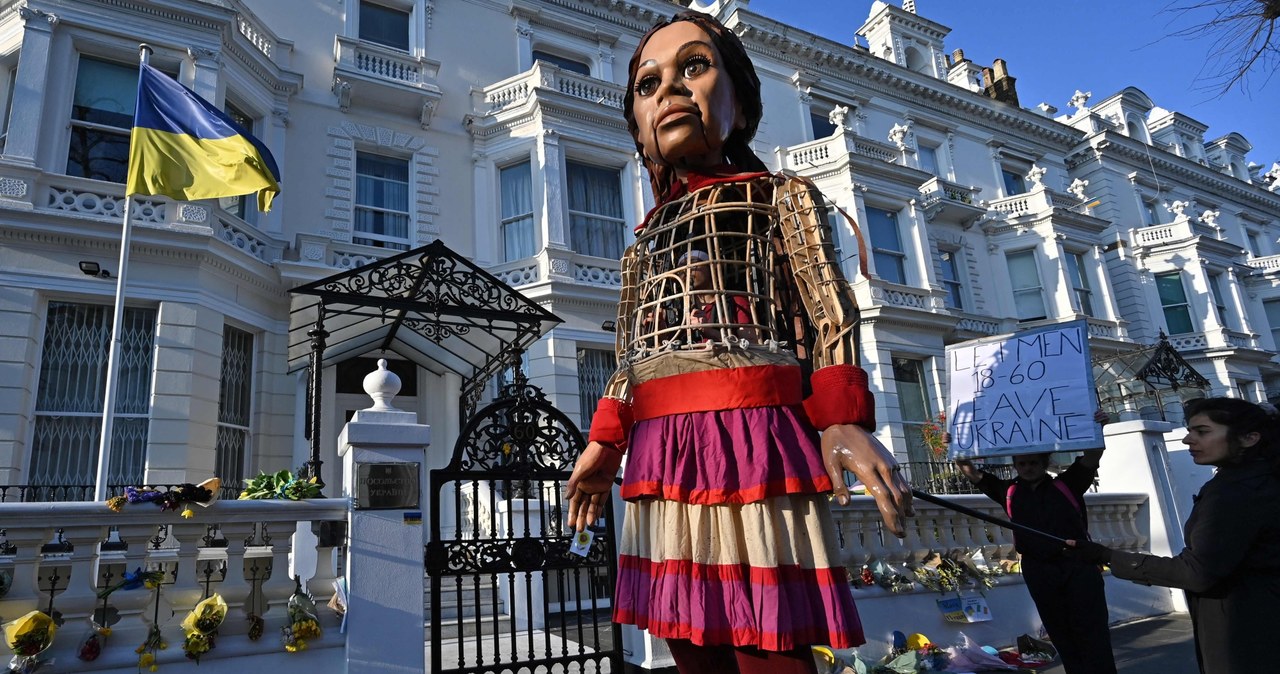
(948,202)
(545,78)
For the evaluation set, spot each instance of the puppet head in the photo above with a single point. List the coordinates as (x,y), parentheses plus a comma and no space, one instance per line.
(692,106)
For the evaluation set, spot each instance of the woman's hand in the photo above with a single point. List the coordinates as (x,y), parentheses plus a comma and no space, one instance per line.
(1087,552)
(852,448)
(591,483)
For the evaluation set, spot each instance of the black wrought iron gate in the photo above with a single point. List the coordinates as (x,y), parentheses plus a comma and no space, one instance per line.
(506,593)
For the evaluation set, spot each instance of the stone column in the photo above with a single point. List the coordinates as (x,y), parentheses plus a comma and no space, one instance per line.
(32,79)
(384,452)
(184,408)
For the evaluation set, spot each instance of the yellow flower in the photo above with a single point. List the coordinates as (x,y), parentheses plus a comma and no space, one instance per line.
(104,631)
(146,659)
(151,584)
(154,668)
(188,513)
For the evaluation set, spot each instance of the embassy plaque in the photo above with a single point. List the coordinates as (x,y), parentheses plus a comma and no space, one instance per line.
(387,486)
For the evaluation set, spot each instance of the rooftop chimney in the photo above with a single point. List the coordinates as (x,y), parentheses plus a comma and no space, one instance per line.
(998,84)
(909,6)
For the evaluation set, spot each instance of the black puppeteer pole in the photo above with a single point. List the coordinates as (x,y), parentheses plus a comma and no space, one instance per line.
(1022,528)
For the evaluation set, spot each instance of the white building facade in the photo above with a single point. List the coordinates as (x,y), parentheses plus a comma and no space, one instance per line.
(496,127)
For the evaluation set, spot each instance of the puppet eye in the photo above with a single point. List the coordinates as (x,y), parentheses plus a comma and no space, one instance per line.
(696,66)
(647,85)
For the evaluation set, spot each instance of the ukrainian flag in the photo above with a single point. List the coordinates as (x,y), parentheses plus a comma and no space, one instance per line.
(184,148)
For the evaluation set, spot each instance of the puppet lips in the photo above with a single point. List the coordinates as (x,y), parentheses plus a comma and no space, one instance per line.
(675,113)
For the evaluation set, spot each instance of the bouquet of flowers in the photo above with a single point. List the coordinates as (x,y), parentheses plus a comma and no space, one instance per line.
(281,485)
(201,626)
(303,623)
(181,496)
(28,637)
(153,644)
(133,580)
(92,647)
(934,433)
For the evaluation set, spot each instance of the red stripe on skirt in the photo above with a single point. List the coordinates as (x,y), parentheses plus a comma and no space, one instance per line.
(674,492)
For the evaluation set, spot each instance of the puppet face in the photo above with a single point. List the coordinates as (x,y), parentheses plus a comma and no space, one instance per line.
(1209,442)
(684,101)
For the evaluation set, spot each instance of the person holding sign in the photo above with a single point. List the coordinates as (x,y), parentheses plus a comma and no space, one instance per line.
(728,548)
(1230,568)
(1068,594)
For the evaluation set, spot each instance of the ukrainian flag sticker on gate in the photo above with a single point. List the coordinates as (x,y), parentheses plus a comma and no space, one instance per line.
(413,517)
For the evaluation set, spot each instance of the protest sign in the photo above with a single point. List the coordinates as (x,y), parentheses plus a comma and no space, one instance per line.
(1024,393)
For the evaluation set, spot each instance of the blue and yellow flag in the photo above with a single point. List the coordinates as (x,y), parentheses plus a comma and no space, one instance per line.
(184,148)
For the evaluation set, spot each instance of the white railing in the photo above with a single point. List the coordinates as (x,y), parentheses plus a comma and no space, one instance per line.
(382,63)
(517,273)
(1161,234)
(1103,328)
(814,153)
(862,538)
(1018,204)
(936,189)
(1270,263)
(901,296)
(876,150)
(257,35)
(597,271)
(239,549)
(1189,341)
(979,325)
(544,76)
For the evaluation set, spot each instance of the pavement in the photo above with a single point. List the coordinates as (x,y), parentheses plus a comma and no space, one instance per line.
(1160,645)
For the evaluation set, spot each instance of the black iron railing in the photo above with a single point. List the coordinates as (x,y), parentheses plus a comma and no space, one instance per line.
(942,477)
(45,493)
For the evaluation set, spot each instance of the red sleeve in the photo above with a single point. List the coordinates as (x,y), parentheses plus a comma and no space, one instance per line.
(741,311)
(612,423)
(840,396)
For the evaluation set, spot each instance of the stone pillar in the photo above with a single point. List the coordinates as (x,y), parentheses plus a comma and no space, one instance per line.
(32,79)
(490,245)
(19,349)
(552,203)
(184,408)
(384,452)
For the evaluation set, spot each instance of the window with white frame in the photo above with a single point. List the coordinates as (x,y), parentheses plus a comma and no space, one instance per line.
(238,206)
(101,119)
(1151,212)
(928,155)
(563,62)
(517,211)
(595,210)
(69,401)
(1255,243)
(1028,289)
(1078,276)
(595,367)
(886,245)
(1219,298)
(382,201)
(913,404)
(1014,181)
(949,272)
(1244,389)
(385,25)
(235,398)
(1173,301)
(1272,309)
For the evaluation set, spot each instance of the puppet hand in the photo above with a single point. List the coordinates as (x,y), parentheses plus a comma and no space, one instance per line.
(1088,552)
(591,483)
(852,448)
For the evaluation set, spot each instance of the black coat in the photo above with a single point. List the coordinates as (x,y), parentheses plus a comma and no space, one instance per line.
(1230,569)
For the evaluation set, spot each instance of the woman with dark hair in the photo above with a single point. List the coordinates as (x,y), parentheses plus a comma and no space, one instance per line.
(1230,568)
(737,345)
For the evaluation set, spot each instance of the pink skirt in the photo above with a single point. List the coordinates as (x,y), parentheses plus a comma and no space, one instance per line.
(728,537)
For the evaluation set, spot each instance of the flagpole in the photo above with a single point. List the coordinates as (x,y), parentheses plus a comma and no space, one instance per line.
(113,352)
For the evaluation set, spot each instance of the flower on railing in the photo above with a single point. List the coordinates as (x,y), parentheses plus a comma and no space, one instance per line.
(181,496)
(934,435)
(303,623)
(28,637)
(133,580)
(280,485)
(92,647)
(153,644)
(201,626)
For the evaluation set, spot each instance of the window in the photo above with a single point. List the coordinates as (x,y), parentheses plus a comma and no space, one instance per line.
(1173,299)
(1151,213)
(234,403)
(929,159)
(1080,283)
(237,206)
(1028,294)
(101,119)
(1014,183)
(1244,390)
(384,25)
(1272,309)
(595,210)
(11,78)
(886,245)
(73,378)
(517,211)
(1219,298)
(950,273)
(382,201)
(595,367)
(822,126)
(563,62)
(1255,246)
(913,403)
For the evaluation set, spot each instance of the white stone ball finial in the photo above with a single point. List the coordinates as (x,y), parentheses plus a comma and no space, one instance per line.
(382,385)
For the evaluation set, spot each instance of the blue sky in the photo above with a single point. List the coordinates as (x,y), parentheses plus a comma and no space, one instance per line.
(1054,48)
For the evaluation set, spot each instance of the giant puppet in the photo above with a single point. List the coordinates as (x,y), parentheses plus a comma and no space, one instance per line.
(736,343)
